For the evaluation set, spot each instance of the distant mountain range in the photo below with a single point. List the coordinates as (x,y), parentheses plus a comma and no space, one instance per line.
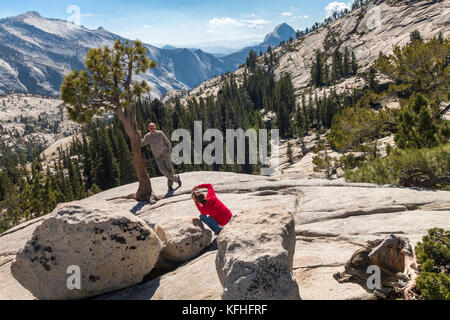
(218,47)
(36,53)
(273,39)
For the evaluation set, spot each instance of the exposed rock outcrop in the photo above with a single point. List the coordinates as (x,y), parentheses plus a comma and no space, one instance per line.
(183,238)
(194,280)
(255,256)
(333,220)
(108,248)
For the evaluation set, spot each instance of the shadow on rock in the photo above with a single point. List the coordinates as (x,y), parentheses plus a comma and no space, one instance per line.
(145,292)
(138,207)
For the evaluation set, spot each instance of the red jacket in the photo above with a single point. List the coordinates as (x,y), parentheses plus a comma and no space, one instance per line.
(214,207)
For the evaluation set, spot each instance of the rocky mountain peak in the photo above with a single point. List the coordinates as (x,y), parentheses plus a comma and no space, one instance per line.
(281,32)
(22,17)
(34,14)
(283,28)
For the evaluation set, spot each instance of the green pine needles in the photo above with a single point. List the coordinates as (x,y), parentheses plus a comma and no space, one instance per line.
(433,255)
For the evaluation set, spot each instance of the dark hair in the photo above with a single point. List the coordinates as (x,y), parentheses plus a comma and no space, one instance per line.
(200,197)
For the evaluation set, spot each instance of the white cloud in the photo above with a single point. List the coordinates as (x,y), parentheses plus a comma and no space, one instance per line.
(300,17)
(146,26)
(88,15)
(219,22)
(336,7)
(286,14)
(256,23)
(216,23)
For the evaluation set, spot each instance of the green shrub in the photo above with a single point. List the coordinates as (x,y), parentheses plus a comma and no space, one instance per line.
(433,255)
(324,163)
(417,128)
(418,67)
(425,168)
(354,127)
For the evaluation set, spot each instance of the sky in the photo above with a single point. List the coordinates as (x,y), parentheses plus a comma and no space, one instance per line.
(178,22)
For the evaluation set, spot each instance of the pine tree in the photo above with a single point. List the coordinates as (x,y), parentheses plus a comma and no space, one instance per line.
(441,38)
(347,66)
(79,183)
(125,160)
(326,75)
(306,116)
(284,100)
(317,70)
(49,196)
(337,68)
(87,157)
(110,75)
(415,36)
(419,67)
(300,120)
(5,185)
(373,83)
(323,162)
(251,60)
(94,190)
(108,171)
(354,64)
(416,128)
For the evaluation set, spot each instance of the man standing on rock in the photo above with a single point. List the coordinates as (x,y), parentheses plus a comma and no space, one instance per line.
(161,149)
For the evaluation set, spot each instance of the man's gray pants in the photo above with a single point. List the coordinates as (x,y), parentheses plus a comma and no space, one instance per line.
(165,166)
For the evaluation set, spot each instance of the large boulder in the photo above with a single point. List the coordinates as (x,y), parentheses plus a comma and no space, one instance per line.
(255,256)
(183,238)
(108,247)
(194,280)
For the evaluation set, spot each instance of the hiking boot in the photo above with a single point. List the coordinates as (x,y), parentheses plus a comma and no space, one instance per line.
(171,189)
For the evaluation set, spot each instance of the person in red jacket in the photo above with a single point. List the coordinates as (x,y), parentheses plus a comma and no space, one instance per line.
(213,212)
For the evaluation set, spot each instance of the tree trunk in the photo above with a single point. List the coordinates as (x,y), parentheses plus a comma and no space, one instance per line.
(443,112)
(145,191)
(422,179)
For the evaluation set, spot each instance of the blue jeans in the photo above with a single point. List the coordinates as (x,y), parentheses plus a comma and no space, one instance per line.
(211,223)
